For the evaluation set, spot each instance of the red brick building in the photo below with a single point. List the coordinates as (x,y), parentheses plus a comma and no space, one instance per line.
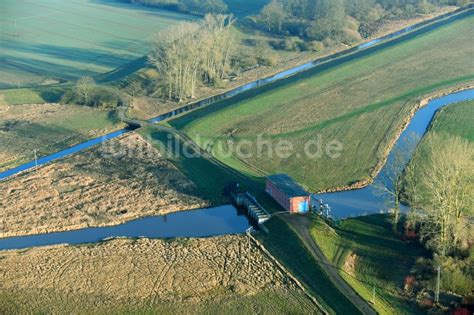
(287,193)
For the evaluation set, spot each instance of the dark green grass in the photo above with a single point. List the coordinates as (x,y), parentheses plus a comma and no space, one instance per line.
(285,245)
(383,259)
(34,95)
(23,130)
(359,100)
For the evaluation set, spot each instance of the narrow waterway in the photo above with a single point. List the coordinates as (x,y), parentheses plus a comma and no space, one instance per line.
(222,220)
(368,200)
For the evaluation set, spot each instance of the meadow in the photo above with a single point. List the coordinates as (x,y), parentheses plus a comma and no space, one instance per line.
(454,120)
(121,180)
(48,128)
(361,103)
(50,41)
(365,250)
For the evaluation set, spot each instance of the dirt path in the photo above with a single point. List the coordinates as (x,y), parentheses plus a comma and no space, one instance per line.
(300,225)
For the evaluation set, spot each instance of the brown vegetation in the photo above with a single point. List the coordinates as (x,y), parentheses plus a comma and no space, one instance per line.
(187,275)
(123,179)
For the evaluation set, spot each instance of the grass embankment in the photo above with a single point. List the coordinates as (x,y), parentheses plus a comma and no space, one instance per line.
(360,103)
(45,41)
(368,253)
(282,242)
(48,128)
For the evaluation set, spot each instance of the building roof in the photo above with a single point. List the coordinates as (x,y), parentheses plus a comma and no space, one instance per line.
(287,185)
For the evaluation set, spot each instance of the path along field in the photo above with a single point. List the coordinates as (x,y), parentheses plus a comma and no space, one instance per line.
(54,39)
(360,103)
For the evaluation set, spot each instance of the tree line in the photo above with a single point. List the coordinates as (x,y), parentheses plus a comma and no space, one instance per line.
(191,54)
(340,20)
(439,188)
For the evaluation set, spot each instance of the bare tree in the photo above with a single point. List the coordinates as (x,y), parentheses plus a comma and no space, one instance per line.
(192,52)
(84,88)
(273,15)
(448,183)
(389,182)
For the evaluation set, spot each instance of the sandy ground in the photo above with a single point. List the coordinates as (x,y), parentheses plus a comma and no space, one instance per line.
(143,273)
(123,179)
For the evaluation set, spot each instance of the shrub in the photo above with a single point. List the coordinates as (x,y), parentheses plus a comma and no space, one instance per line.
(100,96)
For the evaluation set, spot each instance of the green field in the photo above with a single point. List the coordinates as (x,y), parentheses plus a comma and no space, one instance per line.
(360,103)
(48,128)
(378,250)
(455,120)
(47,40)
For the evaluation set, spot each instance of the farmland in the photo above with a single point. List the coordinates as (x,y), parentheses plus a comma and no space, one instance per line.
(213,275)
(48,128)
(110,184)
(50,40)
(360,103)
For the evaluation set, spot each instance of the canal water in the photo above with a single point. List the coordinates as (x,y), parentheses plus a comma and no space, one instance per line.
(368,200)
(222,220)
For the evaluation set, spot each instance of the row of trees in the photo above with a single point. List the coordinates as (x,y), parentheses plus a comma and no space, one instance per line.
(440,193)
(437,184)
(191,54)
(338,19)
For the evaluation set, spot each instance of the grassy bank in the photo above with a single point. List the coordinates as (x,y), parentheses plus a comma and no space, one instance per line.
(359,103)
(456,120)
(369,254)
